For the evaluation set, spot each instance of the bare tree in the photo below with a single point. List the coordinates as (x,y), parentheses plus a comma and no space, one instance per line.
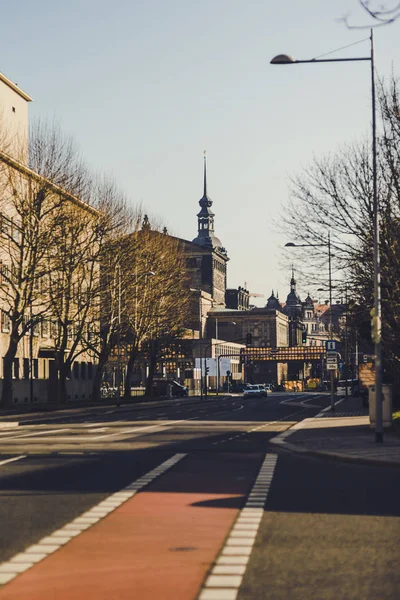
(30,198)
(115,256)
(157,308)
(335,194)
(381,14)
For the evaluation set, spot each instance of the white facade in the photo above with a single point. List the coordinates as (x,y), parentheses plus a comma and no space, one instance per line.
(13,119)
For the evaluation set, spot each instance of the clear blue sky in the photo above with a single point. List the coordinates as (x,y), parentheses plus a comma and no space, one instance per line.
(145,86)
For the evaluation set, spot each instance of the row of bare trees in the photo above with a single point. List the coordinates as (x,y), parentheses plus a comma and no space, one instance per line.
(75,260)
(335,194)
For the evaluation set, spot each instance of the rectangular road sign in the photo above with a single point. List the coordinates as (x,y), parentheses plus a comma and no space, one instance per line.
(330,345)
(331,367)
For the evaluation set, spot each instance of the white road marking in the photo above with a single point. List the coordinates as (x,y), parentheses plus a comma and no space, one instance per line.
(227,575)
(139,429)
(280,438)
(4,462)
(35,434)
(23,561)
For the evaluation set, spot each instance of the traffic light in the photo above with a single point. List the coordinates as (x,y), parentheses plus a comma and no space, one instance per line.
(304,336)
(249,339)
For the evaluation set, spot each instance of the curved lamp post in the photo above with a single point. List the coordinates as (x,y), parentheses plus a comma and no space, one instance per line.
(284,59)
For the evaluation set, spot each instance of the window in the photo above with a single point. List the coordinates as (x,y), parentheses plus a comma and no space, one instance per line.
(36,368)
(16,368)
(54,330)
(5,322)
(45,328)
(76,370)
(26,368)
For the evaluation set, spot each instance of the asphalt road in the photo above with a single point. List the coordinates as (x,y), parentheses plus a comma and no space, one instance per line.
(328,529)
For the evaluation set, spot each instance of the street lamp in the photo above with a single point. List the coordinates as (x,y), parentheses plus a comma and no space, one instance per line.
(328,245)
(284,59)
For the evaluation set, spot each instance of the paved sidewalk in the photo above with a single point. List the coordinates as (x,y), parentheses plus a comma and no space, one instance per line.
(344,433)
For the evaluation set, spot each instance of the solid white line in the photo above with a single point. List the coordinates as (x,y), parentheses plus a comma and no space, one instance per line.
(4,462)
(138,430)
(52,542)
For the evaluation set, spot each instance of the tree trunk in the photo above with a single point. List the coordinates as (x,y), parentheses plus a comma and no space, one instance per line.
(129,371)
(7,390)
(103,357)
(62,369)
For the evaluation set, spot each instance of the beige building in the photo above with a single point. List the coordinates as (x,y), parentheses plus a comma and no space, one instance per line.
(33,366)
(14,104)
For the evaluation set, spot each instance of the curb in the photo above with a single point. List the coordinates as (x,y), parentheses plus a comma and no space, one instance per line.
(334,455)
(279,441)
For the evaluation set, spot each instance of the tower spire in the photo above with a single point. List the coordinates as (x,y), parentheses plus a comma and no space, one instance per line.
(205,175)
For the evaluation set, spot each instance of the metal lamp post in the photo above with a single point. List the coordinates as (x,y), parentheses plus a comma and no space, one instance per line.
(284,59)
(328,245)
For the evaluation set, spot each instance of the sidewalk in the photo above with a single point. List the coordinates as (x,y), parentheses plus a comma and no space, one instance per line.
(345,434)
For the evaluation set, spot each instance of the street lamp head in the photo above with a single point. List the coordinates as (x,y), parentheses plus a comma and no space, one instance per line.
(291,244)
(282,59)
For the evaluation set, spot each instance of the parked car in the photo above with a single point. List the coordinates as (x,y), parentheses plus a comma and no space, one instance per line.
(269,387)
(256,390)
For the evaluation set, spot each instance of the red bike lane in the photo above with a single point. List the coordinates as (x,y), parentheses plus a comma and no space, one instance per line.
(160,543)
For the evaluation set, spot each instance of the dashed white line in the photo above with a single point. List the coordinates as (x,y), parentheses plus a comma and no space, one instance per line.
(226,577)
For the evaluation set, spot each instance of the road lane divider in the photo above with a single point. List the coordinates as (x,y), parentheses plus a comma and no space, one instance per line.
(25,435)
(227,574)
(8,460)
(23,561)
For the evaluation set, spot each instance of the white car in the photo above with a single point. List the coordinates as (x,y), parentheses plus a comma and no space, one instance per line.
(256,390)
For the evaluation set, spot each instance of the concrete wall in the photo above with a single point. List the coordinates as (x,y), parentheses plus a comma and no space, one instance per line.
(43,391)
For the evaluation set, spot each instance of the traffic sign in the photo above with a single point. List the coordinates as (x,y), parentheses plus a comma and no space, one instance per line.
(330,345)
(331,367)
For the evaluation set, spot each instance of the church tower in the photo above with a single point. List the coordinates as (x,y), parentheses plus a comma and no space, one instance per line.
(205,219)
(207,255)
(294,310)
